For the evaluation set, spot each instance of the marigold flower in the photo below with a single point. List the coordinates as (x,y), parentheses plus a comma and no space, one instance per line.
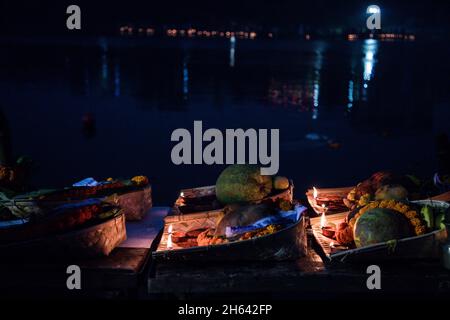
(140,180)
(411,214)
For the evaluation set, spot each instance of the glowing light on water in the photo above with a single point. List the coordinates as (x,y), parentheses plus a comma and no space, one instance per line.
(350,94)
(232,51)
(316,94)
(370,49)
(185,80)
(316,90)
(316,82)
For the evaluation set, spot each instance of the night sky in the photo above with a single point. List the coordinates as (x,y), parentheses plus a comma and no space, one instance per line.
(21,17)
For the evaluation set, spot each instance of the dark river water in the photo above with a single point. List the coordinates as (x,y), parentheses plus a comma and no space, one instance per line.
(344,109)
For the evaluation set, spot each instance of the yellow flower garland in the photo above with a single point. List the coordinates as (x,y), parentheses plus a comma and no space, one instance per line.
(140,180)
(410,213)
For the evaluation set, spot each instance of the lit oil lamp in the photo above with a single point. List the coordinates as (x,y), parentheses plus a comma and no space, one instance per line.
(180,200)
(328,228)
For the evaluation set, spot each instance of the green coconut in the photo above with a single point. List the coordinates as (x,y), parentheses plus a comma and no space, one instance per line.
(242,184)
(380,225)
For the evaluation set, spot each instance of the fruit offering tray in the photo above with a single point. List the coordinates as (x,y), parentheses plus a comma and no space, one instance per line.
(424,246)
(189,230)
(380,185)
(134,199)
(284,244)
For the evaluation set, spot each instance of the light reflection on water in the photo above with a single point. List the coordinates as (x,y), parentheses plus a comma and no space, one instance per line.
(370,50)
(185,78)
(232,51)
(140,94)
(303,92)
(350,94)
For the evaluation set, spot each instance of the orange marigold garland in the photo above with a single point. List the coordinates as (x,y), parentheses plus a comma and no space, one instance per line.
(140,180)
(409,212)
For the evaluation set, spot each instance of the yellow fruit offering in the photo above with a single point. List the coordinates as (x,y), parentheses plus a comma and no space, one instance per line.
(280,183)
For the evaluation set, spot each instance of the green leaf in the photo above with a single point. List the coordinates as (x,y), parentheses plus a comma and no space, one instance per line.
(391,245)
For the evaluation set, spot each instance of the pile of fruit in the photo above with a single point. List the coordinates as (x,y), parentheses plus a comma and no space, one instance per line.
(384,185)
(381,186)
(245,195)
(244,184)
(381,211)
(385,220)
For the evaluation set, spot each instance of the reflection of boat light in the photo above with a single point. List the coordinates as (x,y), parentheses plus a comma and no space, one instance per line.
(316,86)
(185,80)
(316,94)
(370,49)
(232,50)
(350,94)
